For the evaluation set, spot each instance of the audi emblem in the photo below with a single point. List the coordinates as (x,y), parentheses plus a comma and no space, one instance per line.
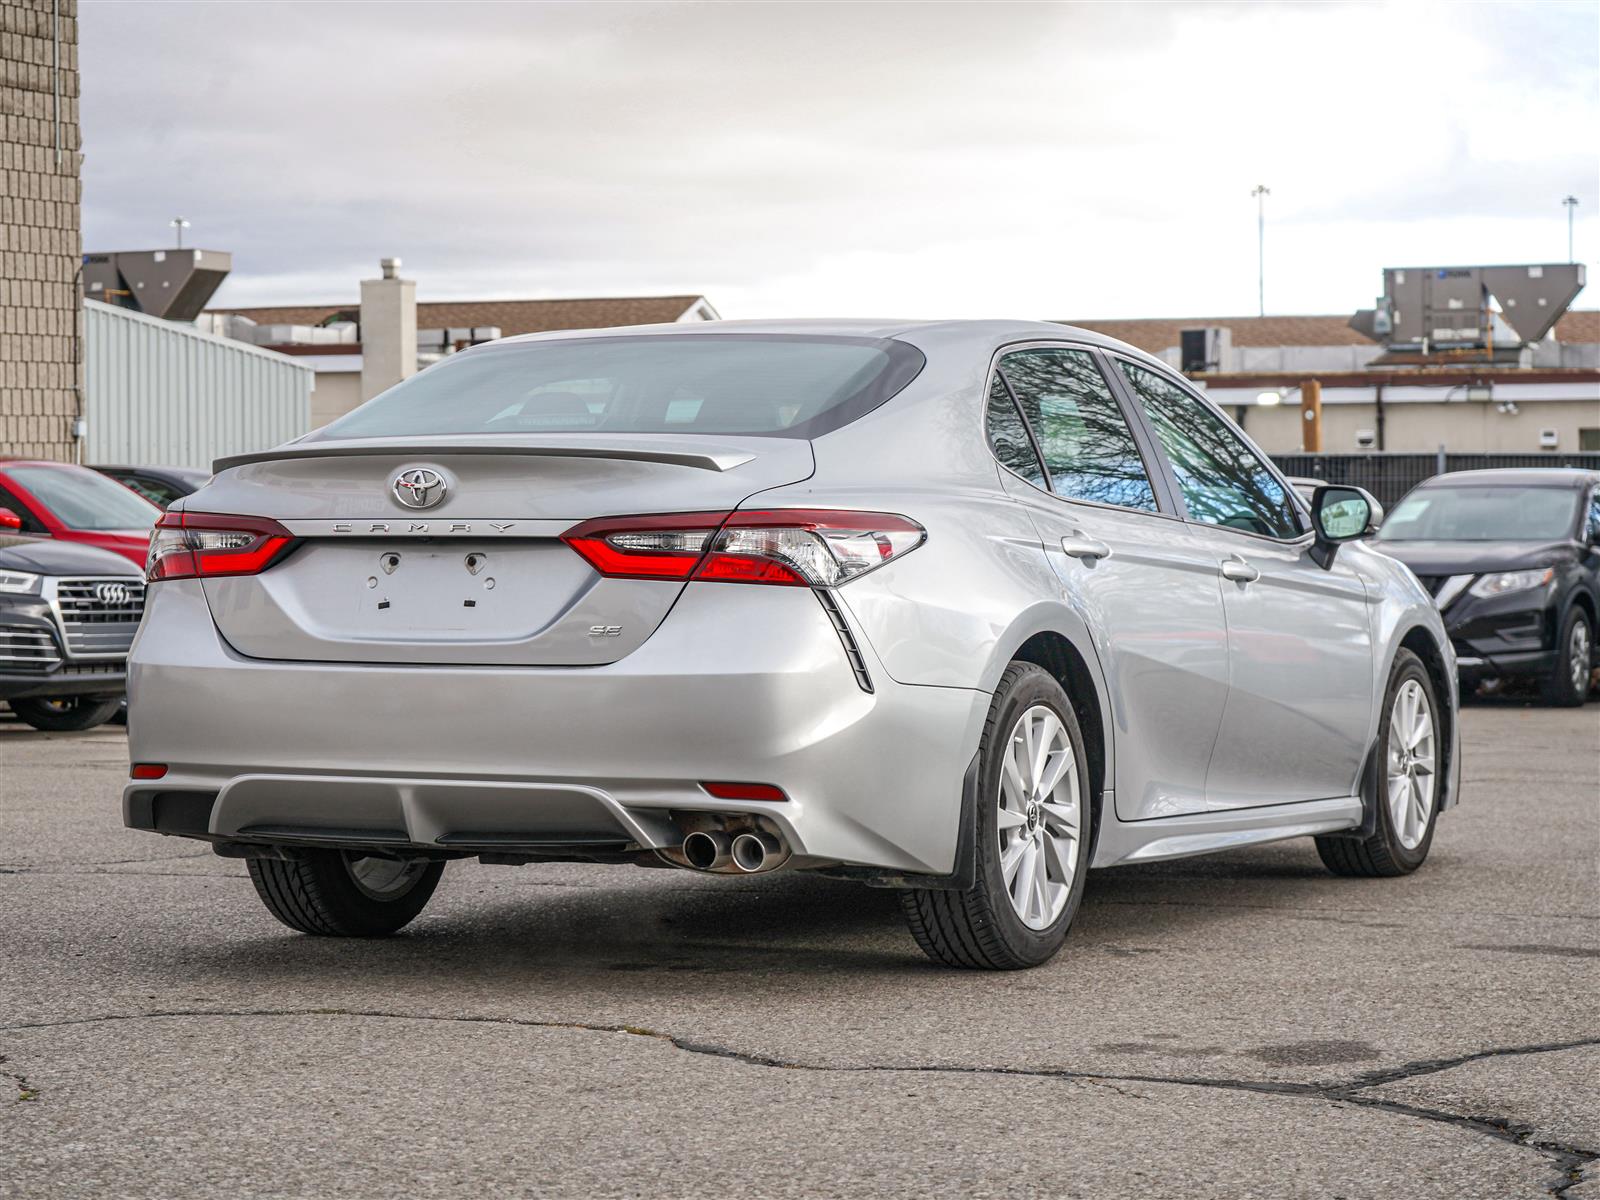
(111,593)
(420,487)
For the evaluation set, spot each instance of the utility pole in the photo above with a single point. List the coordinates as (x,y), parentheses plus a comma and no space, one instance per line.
(180,225)
(1261,193)
(1571,205)
(1311,416)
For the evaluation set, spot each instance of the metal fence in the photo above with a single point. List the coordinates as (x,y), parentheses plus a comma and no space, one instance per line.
(1389,476)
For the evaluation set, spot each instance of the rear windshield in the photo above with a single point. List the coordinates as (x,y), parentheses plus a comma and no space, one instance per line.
(85,499)
(1483,514)
(772,385)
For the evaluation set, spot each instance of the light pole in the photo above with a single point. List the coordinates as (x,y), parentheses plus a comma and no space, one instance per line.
(1571,205)
(1261,193)
(180,225)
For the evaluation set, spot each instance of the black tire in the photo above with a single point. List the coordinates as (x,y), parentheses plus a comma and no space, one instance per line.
(1566,688)
(66,714)
(318,893)
(1383,854)
(978,928)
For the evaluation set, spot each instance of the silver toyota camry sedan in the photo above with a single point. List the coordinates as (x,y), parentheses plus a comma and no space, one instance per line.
(962,609)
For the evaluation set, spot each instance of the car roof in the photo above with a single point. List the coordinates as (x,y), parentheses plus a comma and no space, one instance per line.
(926,334)
(1555,477)
(179,472)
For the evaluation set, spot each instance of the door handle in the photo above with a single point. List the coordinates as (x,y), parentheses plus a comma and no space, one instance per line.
(1239,571)
(1078,544)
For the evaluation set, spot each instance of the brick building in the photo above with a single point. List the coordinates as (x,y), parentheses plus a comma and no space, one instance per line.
(40,242)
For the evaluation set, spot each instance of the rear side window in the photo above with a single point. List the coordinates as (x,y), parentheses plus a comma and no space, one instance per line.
(771,385)
(1223,481)
(1009,436)
(1088,448)
(153,490)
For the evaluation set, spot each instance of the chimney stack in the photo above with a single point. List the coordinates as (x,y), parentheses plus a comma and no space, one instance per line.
(388,329)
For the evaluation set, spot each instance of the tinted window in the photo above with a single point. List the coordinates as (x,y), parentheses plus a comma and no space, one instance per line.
(83,499)
(1087,445)
(1223,481)
(1453,513)
(154,490)
(790,386)
(1594,514)
(1009,436)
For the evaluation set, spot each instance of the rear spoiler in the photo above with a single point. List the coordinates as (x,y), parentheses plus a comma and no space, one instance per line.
(703,461)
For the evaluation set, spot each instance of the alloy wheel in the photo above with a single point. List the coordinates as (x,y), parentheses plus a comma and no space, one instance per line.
(1578,656)
(1411,764)
(1038,816)
(383,878)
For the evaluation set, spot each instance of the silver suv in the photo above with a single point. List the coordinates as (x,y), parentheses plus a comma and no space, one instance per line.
(961,609)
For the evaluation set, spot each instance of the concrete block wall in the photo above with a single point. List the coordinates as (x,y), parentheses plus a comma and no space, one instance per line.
(40,240)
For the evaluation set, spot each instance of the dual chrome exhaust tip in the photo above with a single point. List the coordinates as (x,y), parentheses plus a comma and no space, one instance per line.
(748,853)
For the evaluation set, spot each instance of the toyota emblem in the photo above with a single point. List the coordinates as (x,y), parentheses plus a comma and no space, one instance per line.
(420,487)
(111,593)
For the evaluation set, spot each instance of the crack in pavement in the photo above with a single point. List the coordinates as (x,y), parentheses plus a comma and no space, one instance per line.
(1280,908)
(25,1090)
(72,868)
(1569,1161)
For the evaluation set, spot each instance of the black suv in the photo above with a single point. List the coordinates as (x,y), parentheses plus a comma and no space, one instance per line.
(1512,559)
(68,614)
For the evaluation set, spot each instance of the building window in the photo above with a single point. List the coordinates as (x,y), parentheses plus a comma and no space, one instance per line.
(1589,439)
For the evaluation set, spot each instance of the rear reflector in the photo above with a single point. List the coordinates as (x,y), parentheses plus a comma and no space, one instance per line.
(188,545)
(744,791)
(148,771)
(787,547)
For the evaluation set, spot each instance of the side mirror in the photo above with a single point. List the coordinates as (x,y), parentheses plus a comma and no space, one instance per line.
(9,519)
(1341,514)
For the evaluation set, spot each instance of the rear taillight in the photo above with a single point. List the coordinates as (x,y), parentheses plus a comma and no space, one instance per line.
(792,547)
(663,546)
(188,545)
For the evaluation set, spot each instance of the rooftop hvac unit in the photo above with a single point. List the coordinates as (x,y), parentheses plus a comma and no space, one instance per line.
(1483,312)
(172,284)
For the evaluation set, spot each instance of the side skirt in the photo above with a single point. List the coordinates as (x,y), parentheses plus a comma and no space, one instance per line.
(1205,833)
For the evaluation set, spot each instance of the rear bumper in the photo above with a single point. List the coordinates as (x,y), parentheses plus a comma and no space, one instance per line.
(738,684)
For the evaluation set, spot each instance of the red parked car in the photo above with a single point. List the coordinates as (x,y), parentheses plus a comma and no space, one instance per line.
(74,504)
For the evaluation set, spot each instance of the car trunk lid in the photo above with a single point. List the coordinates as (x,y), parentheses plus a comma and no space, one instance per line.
(479,575)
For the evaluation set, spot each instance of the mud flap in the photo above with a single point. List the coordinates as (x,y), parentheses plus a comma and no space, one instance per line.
(1370,799)
(964,871)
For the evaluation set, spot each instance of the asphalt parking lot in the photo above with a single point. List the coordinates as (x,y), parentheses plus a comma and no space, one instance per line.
(1239,1025)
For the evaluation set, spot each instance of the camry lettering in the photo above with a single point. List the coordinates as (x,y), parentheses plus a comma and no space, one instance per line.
(426,527)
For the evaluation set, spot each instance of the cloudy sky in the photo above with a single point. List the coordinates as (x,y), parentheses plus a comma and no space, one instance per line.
(905,159)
